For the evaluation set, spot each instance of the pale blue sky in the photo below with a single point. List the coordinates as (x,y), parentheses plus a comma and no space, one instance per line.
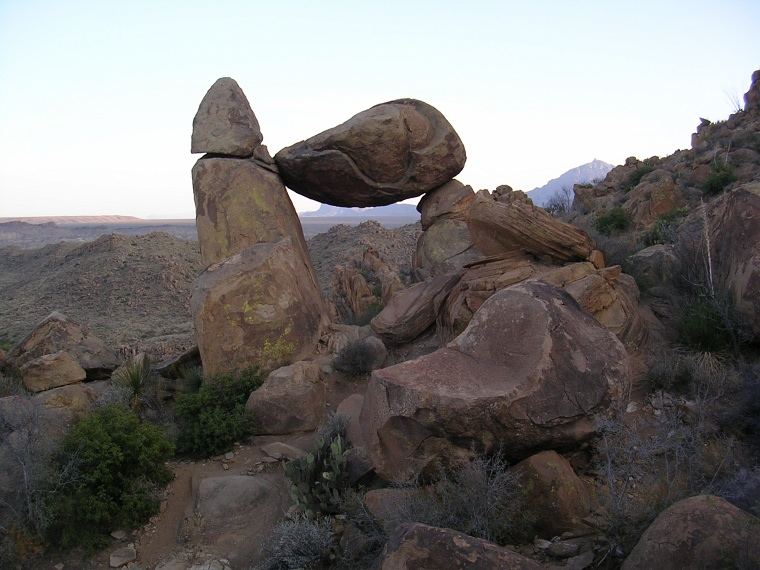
(97,98)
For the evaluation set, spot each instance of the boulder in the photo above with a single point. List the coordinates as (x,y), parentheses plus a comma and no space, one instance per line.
(351,408)
(421,547)
(388,153)
(654,267)
(411,311)
(261,307)
(450,201)
(225,123)
(752,97)
(654,196)
(444,247)
(291,399)
(50,371)
(532,370)
(734,224)
(557,497)
(499,227)
(699,532)
(239,203)
(55,333)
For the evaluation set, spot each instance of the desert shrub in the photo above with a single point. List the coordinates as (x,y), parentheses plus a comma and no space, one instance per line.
(741,416)
(319,479)
(743,490)
(614,220)
(635,178)
(10,384)
(664,229)
(356,358)
(616,248)
(298,544)
(721,175)
(369,313)
(5,344)
(136,376)
(210,420)
(560,203)
(120,467)
(702,326)
(482,498)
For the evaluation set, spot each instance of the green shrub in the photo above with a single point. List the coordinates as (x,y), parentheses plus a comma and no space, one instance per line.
(701,327)
(635,178)
(614,220)
(135,375)
(369,313)
(213,418)
(5,344)
(721,176)
(664,229)
(319,479)
(121,464)
(356,358)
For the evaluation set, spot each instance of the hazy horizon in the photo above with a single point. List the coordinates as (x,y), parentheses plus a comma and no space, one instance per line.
(98,116)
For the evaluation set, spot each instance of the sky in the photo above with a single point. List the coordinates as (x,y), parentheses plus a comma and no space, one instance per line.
(97,98)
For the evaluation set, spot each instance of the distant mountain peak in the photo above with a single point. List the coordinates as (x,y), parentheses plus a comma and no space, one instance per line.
(391,211)
(583,174)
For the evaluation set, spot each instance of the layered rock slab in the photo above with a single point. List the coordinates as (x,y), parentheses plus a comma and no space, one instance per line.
(390,152)
(262,297)
(530,371)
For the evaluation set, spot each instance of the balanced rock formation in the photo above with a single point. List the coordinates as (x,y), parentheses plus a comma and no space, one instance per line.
(445,244)
(531,370)
(259,294)
(421,547)
(56,333)
(698,532)
(388,153)
(225,123)
(509,222)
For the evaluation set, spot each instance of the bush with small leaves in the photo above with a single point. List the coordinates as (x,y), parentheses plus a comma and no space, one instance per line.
(701,326)
(359,357)
(213,418)
(120,466)
(299,544)
(614,220)
(721,175)
(635,178)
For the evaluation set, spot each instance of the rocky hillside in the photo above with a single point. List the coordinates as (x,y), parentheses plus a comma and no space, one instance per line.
(128,290)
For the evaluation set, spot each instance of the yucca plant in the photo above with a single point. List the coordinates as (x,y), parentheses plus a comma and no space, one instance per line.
(134,375)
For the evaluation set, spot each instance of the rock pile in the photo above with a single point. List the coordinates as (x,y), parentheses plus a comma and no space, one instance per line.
(259,290)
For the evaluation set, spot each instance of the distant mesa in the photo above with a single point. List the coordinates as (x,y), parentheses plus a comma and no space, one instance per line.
(72,219)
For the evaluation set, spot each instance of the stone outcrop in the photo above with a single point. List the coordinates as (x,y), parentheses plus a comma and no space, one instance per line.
(258,307)
(734,225)
(654,267)
(653,197)
(57,333)
(509,223)
(557,497)
(225,123)
(530,371)
(258,302)
(698,532)
(752,97)
(388,153)
(421,547)
(290,400)
(413,310)
(51,371)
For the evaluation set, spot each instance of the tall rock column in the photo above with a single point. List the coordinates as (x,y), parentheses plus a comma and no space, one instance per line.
(258,301)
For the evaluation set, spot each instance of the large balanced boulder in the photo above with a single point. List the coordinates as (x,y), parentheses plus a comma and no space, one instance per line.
(292,399)
(508,222)
(532,370)
(225,123)
(51,371)
(261,306)
(421,547)
(239,203)
(699,532)
(388,153)
(56,333)
(411,311)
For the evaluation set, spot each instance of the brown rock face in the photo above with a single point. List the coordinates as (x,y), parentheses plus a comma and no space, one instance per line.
(225,123)
(411,311)
(260,307)
(422,547)
(450,201)
(752,97)
(499,227)
(532,369)
(292,399)
(390,152)
(734,221)
(239,203)
(58,333)
(656,195)
(50,371)
(554,492)
(699,532)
